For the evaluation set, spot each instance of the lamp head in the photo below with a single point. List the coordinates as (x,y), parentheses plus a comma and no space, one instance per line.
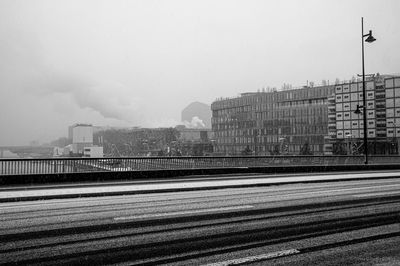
(358,110)
(370,38)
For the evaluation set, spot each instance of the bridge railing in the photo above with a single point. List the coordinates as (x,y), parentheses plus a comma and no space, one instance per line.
(76,165)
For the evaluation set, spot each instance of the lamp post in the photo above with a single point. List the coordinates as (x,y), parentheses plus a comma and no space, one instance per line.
(255,141)
(349,138)
(282,141)
(369,39)
(395,136)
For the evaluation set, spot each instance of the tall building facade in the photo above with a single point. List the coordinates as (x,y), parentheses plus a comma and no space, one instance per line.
(277,122)
(346,125)
(82,136)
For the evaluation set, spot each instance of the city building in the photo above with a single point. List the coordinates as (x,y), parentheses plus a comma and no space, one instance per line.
(292,121)
(311,120)
(82,136)
(345,112)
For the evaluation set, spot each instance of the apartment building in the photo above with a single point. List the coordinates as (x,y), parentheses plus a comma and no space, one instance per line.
(311,120)
(345,114)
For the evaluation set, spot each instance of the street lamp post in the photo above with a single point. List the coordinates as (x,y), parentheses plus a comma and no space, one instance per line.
(395,136)
(255,141)
(282,141)
(349,138)
(369,39)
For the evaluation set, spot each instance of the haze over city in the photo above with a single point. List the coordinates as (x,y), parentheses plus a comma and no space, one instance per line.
(139,63)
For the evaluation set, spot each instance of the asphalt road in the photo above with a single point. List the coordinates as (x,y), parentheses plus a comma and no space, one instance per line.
(225,226)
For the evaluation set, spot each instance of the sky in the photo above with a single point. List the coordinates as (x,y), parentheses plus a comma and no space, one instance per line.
(140,62)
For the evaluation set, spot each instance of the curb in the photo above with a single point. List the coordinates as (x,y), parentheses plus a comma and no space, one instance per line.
(182,189)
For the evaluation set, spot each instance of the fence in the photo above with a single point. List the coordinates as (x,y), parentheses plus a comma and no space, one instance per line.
(79,165)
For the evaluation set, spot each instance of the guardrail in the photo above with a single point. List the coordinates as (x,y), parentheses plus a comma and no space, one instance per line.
(124,164)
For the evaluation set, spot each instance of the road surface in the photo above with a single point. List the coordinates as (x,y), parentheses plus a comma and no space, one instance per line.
(281,223)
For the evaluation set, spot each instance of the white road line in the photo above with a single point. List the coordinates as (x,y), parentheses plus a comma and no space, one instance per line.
(261,257)
(376,194)
(154,215)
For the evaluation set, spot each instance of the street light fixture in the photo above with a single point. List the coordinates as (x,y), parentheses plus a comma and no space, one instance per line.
(369,39)
(282,142)
(358,110)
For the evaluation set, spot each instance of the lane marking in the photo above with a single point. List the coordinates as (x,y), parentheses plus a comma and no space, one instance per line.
(376,194)
(261,257)
(154,215)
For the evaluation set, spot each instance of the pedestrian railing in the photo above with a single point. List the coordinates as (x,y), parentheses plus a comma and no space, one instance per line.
(76,165)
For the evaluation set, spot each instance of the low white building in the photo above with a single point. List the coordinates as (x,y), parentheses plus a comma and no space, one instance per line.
(93,152)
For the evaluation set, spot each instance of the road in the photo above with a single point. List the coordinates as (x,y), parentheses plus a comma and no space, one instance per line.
(253,224)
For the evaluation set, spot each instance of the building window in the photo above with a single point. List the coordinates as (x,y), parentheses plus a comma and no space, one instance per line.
(397,82)
(389,93)
(389,83)
(389,103)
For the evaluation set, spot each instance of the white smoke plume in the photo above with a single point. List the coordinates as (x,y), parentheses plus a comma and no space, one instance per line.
(195,123)
(25,70)
(109,99)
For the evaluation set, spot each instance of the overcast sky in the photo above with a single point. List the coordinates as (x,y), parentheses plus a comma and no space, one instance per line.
(139,63)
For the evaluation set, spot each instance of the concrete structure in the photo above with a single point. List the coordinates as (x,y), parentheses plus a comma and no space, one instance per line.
(93,152)
(82,136)
(383,116)
(278,122)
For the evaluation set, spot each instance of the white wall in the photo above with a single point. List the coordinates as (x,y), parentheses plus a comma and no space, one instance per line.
(93,152)
(82,134)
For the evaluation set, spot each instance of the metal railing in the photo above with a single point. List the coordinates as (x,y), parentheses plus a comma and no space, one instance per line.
(78,165)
